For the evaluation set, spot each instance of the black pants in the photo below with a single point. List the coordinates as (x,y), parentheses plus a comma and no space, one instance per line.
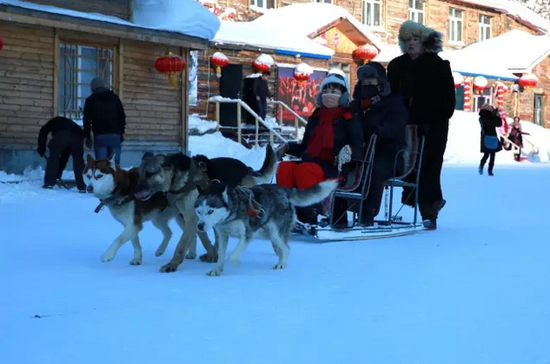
(491,157)
(430,195)
(517,156)
(63,145)
(382,170)
(262,108)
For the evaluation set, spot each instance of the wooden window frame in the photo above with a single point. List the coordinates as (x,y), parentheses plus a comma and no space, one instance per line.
(365,20)
(414,12)
(484,26)
(264,6)
(63,67)
(453,25)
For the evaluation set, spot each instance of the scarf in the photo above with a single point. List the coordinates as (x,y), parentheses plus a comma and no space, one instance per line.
(321,144)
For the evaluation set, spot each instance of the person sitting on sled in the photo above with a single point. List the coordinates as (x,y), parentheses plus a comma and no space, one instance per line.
(329,129)
(382,113)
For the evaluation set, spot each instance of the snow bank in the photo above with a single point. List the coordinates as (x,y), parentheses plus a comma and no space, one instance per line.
(201,126)
(181,16)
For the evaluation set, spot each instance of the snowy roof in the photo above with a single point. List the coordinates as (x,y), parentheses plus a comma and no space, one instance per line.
(186,17)
(515,9)
(513,52)
(308,18)
(278,38)
(388,53)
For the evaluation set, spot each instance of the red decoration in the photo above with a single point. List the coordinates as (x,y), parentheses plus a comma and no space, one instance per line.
(301,77)
(467,95)
(528,80)
(1,43)
(170,65)
(365,52)
(219,60)
(261,67)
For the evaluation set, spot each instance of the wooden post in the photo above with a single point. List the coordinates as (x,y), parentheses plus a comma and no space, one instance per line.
(185,102)
(56,55)
(281,112)
(257,130)
(218,115)
(120,70)
(239,131)
(296,126)
(516,97)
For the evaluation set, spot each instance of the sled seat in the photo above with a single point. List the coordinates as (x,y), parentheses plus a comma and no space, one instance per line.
(410,158)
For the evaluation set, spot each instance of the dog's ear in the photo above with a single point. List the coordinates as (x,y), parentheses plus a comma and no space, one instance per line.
(225,196)
(147,155)
(111,160)
(89,158)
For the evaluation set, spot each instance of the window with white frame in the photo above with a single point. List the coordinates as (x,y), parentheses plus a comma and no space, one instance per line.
(322,1)
(266,4)
(417,10)
(456,25)
(79,64)
(485,29)
(372,13)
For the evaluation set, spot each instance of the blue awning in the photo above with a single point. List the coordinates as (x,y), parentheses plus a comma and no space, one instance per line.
(303,54)
(493,77)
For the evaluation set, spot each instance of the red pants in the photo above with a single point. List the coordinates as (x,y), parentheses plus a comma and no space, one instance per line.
(299,175)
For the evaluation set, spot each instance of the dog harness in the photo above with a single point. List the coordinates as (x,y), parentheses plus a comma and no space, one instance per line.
(112,200)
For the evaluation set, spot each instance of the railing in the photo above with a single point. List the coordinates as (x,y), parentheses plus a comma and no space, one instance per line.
(516,148)
(297,118)
(240,105)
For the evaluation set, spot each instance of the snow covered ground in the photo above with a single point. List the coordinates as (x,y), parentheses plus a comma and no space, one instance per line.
(475,291)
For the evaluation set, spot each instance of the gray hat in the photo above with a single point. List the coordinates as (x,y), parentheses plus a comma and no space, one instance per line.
(97,84)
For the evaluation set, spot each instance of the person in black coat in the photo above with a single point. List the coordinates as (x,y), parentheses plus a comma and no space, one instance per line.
(430,87)
(67,141)
(260,90)
(489,119)
(329,129)
(104,116)
(382,113)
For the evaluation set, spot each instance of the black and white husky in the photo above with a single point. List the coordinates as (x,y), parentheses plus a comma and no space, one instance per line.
(266,210)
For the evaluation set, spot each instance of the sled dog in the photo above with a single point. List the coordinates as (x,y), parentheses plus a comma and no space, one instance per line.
(114,187)
(266,210)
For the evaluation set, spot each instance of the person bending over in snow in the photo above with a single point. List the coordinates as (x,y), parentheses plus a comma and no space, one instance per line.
(329,129)
(516,137)
(67,141)
(489,118)
(382,113)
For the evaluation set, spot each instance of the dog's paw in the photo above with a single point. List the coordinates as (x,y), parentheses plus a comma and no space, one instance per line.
(191,256)
(212,258)
(215,272)
(107,257)
(279,266)
(169,268)
(136,261)
(159,252)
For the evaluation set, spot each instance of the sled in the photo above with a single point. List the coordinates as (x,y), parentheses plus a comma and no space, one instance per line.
(357,188)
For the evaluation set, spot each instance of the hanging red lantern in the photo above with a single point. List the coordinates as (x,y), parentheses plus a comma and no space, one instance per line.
(480,83)
(528,80)
(1,43)
(365,52)
(459,80)
(302,72)
(171,65)
(263,63)
(467,95)
(219,60)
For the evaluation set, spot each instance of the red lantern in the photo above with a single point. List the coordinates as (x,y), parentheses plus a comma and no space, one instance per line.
(170,65)
(365,52)
(480,83)
(467,95)
(302,72)
(1,43)
(528,80)
(219,60)
(261,67)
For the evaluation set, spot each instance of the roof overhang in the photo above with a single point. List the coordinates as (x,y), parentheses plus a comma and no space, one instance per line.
(60,21)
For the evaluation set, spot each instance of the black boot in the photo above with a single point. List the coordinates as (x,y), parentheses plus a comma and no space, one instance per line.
(307,215)
(430,224)
(480,169)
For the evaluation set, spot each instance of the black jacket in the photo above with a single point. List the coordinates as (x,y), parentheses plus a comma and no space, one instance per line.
(260,88)
(401,77)
(104,114)
(434,100)
(489,123)
(388,120)
(56,125)
(347,131)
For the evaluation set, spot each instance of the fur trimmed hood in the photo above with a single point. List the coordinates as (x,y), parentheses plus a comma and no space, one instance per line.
(432,40)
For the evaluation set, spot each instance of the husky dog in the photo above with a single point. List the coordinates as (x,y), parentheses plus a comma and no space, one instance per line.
(178,176)
(265,210)
(114,187)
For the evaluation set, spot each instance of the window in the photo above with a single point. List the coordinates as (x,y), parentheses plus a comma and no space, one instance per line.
(322,1)
(456,25)
(372,13)
(78,66)
(266,4)
(344,67)
(417,9)
(485,23)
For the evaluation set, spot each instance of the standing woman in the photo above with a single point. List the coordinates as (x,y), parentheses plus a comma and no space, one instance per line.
(489,119)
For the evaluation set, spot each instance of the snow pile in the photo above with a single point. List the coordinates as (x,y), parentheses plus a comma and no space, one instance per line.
(540,137)
(182,16)
(200,126)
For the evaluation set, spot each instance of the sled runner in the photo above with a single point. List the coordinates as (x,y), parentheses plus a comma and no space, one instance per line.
(356,189)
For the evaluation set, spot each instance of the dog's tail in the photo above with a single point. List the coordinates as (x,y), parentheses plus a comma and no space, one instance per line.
(265,174)
(312,195)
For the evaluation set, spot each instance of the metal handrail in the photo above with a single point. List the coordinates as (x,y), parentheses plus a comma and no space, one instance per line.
(241,104)
(297,118)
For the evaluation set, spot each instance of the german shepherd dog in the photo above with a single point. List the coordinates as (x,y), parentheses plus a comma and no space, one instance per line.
(114,187)
(266,210)
(178,176)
